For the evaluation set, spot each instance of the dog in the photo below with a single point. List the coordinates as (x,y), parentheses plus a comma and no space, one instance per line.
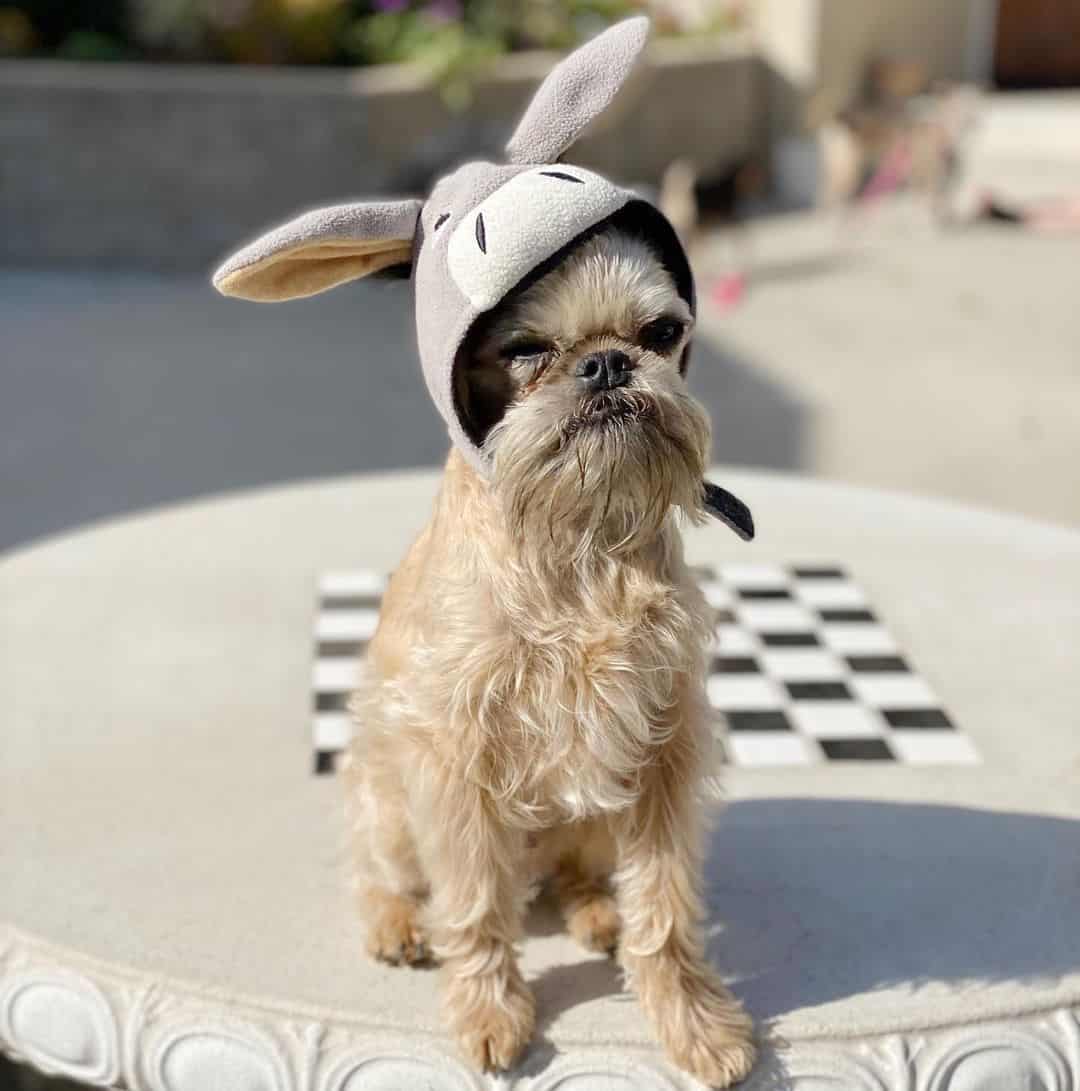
(533,705)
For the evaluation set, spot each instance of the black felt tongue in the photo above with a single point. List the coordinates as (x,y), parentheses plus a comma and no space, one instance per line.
(729,509)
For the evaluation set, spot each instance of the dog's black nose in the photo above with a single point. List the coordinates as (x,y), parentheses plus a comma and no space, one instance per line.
(604,370)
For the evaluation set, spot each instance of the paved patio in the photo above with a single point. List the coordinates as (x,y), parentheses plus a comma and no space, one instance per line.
(880,353)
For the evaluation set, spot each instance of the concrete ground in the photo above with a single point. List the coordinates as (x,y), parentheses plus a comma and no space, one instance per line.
(944,363)
(122,391)
(871,348)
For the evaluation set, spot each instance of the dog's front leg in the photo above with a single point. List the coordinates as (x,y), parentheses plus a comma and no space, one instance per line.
(473,861)
(701,1026)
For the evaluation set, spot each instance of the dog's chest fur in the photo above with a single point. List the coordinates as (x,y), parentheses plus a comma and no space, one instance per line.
(560,692)
(550,685)
(590,690)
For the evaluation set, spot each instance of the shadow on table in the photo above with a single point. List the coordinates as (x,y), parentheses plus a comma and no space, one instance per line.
(815,900)
(14,1077)
(755,421)
(823,899)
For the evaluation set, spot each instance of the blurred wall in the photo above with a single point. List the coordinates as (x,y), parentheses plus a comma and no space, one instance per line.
(853,33)
(825,46)
(169,166)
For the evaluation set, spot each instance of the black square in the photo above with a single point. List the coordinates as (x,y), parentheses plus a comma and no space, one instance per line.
(769,720)
(340,649)
(725,617)
(352,602)
(932,718)
(847,615)
(818,691)
(884,664)
(815,572)
(735,664)
(330,702)
(857,750)
(764,594)
(324,761)
(790,640)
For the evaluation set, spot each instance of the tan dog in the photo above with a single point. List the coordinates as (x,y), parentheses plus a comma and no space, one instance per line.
(534,704)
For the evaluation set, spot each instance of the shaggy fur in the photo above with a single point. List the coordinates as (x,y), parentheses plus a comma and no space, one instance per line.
(533,704)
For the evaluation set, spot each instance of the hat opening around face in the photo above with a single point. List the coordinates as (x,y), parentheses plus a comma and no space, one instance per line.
(638,219)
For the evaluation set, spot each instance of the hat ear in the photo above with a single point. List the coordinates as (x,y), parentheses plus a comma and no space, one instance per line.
(579,88)
(321,250)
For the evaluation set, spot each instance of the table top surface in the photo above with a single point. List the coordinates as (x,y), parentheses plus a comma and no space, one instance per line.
(158,818)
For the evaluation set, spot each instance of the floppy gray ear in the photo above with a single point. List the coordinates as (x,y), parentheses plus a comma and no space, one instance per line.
(579,88)
(320,250)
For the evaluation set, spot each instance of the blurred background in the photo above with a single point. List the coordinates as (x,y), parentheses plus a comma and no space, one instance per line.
(882,202)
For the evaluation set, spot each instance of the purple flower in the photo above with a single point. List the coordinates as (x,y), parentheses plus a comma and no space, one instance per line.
(443,11)
(391,5)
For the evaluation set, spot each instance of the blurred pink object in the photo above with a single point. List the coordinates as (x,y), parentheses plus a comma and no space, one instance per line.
(1051,216)
(727,292)
(892,173)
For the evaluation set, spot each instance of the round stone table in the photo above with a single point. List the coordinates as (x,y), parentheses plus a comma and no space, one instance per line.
(174,904)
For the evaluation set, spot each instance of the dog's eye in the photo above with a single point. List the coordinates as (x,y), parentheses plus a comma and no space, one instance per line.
(661,334)
(525,350)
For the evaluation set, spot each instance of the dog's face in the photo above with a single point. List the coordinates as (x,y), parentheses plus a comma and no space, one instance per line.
(574,387)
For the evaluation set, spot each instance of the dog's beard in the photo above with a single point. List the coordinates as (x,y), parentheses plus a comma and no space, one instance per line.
(580,471)
(603,474)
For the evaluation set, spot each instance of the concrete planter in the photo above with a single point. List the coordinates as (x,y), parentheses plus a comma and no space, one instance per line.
(167,166)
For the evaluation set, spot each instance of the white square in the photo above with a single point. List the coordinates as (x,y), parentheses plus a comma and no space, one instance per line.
(758,577)
(735,640)
(830,594)
(333,730)
(361,581)
(865,639)
(803,665)
(336,675)
(934,748)
(716,594)
(893,691)
(346,624)
(776,617)
(769,748)
(836,720)
(744,692)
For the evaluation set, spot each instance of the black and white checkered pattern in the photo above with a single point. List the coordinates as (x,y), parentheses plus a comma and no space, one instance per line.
(803,669)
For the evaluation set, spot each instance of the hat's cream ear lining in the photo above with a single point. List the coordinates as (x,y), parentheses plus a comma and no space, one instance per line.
(312,267)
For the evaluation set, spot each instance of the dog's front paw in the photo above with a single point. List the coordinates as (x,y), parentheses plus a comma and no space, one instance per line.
(493,1020)
(707,1034)
(394,931)
(595,924)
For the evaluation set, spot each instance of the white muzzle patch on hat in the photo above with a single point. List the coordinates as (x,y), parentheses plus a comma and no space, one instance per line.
(523,223)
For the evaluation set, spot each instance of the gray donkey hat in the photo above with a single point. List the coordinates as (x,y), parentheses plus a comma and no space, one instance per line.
(485,230)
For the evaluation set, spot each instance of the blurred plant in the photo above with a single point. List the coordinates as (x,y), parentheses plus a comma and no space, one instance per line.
(698,16)
(76,29)
(91,45)
(454,39)
(16,33)
(435,34)
(243,31)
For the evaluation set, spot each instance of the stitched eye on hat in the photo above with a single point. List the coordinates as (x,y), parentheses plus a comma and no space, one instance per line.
(481,235)
(563,176)
(440,221)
